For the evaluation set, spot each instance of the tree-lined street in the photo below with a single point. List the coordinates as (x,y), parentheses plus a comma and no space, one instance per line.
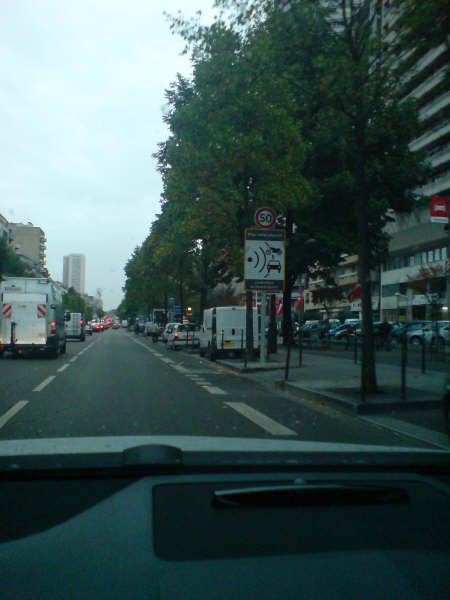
(117,383)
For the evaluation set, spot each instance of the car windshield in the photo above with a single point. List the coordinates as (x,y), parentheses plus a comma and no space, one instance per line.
(224,220)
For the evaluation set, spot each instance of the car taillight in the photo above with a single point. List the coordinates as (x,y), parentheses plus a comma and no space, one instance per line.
(81,321)
(53,327)
(175,336)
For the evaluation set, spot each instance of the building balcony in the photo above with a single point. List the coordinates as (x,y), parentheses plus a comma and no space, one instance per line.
(429,136)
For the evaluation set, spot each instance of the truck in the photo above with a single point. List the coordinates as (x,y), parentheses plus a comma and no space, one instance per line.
(74,326)
(32,316)
(223,331)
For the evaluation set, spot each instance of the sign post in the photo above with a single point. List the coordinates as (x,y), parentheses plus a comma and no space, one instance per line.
(264,265)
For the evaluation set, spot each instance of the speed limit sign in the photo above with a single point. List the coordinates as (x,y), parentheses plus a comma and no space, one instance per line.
(265,217)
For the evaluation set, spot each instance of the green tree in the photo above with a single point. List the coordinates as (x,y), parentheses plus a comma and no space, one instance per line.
(10,263)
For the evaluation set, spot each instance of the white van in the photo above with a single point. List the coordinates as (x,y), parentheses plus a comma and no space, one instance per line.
(223,331)
(32,316)
(74,326)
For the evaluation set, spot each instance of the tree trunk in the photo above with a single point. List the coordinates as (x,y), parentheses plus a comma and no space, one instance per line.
(287,317)
(288,285)
(368,372)
(203,299)
(249,321)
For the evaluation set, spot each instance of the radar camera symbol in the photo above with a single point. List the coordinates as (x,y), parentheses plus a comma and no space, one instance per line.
(261,262)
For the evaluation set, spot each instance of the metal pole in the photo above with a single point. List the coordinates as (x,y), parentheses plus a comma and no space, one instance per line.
(404,359)
(262,344)
(423,355)
(355,349)
(288,358)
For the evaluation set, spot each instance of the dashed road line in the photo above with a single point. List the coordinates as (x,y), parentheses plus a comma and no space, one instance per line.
(260,419)
(63,368)
(9,414)
(44,383)
(73,359)
(214,390)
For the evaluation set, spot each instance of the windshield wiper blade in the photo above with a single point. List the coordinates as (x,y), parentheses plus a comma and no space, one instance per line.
(310,495)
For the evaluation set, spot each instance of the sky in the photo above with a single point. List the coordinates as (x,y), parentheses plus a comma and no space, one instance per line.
(81,105)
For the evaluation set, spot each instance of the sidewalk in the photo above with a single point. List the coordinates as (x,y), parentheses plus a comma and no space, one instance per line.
(337,380)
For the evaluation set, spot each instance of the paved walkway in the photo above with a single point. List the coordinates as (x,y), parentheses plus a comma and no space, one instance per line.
(337,380)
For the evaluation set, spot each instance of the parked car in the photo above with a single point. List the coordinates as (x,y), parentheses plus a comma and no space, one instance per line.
(167,331)
(125,323)
(152,329)
(88,328)
(340,332)
(428,331)
(184,335)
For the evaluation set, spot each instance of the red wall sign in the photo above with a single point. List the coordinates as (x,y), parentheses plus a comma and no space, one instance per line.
(439,209)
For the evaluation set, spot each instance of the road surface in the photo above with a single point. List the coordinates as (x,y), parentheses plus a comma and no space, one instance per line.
(117,383)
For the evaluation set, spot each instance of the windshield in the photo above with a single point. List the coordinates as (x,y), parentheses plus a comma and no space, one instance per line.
(224,220)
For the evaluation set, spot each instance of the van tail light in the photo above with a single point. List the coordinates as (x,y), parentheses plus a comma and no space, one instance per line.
(175,336)
(53,327)
(81,321)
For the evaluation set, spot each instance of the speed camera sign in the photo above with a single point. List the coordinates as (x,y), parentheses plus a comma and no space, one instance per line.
(265,217)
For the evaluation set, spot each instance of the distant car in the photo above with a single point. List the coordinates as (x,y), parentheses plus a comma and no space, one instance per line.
(167,331)
(184,335)
(116,325)
(124,323)
(74,326)
(88,328)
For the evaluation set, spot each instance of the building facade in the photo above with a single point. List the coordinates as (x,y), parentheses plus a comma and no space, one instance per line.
(29,242)
(74,272)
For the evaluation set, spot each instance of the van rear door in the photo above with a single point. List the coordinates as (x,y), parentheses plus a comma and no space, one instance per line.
(29,313)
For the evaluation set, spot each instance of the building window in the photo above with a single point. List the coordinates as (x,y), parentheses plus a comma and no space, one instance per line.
(389,290)
(443,253)
(437,254)
(424,258)
(430,256)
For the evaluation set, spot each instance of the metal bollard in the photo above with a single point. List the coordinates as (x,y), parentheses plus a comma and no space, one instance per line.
(403,366)
(300,347)
(423,349)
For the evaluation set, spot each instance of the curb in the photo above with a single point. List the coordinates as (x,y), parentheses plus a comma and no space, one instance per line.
(361,408)
(354,408)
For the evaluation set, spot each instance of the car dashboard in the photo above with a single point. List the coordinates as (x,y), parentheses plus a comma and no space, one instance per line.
(304,531)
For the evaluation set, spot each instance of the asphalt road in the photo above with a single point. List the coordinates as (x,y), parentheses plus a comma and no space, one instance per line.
(117,383)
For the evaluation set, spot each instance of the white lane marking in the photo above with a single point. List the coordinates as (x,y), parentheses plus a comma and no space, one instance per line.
(42,385)
(12,411)
(214,390)
(169,361)
(260,419)
(181,369)
(63,368)
(415,431)
(73,359)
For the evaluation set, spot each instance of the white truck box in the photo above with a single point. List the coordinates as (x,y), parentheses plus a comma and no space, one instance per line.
(32,316)
(223,330)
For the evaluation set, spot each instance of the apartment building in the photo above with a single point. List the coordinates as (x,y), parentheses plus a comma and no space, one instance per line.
(74,272)
(28,242)
(418,248)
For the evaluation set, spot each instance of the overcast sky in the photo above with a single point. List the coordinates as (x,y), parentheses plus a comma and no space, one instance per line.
(81,102)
